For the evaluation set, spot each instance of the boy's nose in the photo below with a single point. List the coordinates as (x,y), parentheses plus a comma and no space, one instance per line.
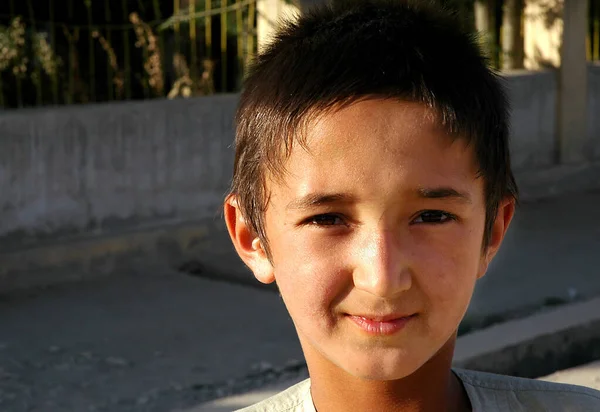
(383,267)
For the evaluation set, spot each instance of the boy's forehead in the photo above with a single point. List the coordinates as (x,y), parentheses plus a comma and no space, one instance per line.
(391,120)
(374,138)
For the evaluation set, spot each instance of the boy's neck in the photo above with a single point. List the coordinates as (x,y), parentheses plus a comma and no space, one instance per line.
(434,387)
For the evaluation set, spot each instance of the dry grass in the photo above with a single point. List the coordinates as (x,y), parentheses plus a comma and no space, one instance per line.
(118,78)
(148,41)
(12,42)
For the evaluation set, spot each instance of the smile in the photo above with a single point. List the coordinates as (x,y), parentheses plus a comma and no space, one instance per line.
(382,325)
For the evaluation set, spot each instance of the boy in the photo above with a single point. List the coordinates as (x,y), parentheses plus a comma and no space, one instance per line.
(372,182)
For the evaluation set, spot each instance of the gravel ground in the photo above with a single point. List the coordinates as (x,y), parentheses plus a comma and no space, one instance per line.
(152,343)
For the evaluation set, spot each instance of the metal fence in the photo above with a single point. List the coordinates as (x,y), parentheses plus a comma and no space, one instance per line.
(593,43)
(79,51)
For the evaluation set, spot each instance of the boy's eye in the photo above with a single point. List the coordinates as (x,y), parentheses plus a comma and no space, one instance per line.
(326,220)
(434,216)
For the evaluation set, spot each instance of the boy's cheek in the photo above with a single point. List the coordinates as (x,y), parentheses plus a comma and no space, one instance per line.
(451,277)
(307,246)
(317,275)
(309,274)
(447,274)
(447,303)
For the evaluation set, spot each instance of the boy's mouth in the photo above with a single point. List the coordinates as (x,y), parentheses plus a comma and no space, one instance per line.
(381,325)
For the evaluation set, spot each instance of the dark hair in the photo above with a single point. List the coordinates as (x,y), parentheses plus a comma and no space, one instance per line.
(333,56)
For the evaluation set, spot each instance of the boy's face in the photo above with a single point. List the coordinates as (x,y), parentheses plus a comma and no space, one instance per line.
(376,238)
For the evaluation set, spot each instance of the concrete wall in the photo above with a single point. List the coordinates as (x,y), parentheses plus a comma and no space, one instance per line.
(533,123)
(98,190)
(542,33)
(593,145)
(102,167)
(270,13)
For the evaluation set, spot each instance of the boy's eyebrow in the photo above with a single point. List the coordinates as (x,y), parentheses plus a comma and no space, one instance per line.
(312,200)
(443,193)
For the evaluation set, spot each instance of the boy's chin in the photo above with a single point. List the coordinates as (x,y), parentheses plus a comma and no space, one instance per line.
(382,375)
(391,364)
(381,369)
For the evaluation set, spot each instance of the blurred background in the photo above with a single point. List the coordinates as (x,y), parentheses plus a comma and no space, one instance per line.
(119,288)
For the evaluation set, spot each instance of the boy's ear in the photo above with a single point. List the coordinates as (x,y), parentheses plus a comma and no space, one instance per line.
(247,244)
(506,211)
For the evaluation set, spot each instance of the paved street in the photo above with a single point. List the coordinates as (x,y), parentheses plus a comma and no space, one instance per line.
(550,255)
(169,341)
(137,344)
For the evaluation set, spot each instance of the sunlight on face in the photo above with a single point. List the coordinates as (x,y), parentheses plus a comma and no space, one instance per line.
(376,236)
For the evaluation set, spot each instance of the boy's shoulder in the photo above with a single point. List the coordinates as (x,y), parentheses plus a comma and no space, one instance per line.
(296,398)
(491,392)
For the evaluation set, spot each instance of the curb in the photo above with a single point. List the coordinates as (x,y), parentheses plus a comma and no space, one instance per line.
(536,345)
(558,180)
(162,246)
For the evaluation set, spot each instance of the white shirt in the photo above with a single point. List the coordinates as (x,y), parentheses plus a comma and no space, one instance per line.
(486,391)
